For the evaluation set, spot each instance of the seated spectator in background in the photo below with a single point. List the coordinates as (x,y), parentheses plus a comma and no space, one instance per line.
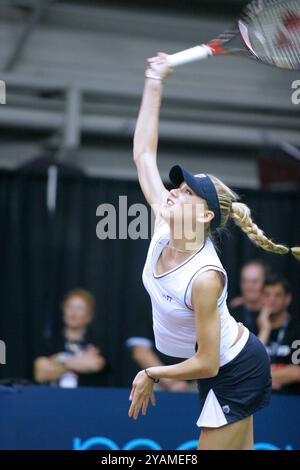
(245,309)
(144,353)
(73,358)
(280,333)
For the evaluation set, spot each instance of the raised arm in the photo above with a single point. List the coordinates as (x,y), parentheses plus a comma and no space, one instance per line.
(146,134)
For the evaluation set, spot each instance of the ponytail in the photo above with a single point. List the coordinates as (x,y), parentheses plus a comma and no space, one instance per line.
(241,215)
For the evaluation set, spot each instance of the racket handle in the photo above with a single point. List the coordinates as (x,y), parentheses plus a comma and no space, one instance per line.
(190,55)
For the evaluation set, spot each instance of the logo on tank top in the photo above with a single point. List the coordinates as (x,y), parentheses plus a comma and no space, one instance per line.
(167,297)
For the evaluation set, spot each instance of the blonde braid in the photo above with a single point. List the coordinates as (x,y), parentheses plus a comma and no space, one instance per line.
(241,214)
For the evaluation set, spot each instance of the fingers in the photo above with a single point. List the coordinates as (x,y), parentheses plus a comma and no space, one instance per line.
(131,409)
(160,65)
(146,402)
(132,392)
(137,404)
(145,406)
(162,54)
(134,403)
(135,408)
(141,392)
(160,58)
(153,399)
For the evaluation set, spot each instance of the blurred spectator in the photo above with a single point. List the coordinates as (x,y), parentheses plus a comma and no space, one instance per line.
(144,354)
(73,358)
(245,309)
(280,333)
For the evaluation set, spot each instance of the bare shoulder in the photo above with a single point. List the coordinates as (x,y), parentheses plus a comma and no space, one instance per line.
(208,282)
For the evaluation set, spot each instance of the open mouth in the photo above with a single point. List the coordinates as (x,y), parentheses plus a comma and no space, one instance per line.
(170,202)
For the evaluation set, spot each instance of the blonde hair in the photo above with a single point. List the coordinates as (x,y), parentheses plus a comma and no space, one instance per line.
(241,214)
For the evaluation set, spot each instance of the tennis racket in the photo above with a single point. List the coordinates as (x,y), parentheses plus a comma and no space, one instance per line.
(267,30)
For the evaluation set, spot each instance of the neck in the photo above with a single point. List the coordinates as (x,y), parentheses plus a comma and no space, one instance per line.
(179,248)
(278,319)
(75,334)
(184,245)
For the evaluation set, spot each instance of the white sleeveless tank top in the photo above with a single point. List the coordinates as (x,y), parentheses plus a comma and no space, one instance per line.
(170,293)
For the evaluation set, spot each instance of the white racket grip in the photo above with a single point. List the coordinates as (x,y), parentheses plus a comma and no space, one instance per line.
(190,55)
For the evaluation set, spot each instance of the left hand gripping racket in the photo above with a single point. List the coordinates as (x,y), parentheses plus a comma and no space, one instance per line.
(267,30)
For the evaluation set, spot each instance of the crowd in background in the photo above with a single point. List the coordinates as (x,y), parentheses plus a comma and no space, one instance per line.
(75,357)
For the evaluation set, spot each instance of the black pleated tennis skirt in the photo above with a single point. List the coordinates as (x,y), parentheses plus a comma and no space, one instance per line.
(242,387)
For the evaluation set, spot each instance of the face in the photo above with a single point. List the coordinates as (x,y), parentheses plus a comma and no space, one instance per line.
(76,313)
(184,208)
(252,281)
(276,299)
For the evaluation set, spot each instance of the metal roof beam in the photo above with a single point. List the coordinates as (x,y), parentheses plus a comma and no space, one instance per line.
(39,11)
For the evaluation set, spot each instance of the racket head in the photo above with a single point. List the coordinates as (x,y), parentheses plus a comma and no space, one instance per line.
(270,30)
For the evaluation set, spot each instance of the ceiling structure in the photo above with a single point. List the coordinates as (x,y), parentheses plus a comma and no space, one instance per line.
(74,74)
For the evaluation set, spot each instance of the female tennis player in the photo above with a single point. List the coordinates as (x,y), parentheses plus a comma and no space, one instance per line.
(188,288)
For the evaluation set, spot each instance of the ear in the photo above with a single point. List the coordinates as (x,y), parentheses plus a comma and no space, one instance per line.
(207,216)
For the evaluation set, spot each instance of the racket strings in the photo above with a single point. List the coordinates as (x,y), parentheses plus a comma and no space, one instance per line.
(274,32)
(287,42)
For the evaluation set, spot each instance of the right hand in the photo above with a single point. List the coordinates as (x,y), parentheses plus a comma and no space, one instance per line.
(160,66)
(141,393)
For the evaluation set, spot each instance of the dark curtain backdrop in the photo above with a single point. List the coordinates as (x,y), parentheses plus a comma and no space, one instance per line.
(42,257)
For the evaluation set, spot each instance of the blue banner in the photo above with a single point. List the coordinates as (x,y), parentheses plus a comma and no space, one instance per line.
(97,418)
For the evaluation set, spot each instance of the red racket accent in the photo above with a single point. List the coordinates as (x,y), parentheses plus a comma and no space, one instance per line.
(267,30)
(291,21)
(217,47)
(282,40)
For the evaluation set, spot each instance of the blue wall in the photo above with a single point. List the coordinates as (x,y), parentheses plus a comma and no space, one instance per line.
(51,418)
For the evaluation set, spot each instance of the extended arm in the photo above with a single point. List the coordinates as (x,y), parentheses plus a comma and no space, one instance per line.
(146,139)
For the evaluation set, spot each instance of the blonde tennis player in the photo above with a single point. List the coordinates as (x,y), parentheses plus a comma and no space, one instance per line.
(187,285)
